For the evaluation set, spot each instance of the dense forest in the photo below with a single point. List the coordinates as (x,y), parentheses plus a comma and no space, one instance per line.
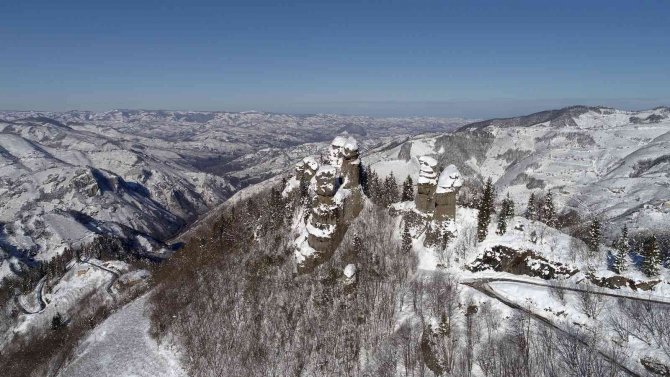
(232,300)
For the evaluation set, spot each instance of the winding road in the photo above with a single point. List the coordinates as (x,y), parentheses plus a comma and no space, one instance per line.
(482,285)
(40,298)
(42,284)
(652,299)
(115,277)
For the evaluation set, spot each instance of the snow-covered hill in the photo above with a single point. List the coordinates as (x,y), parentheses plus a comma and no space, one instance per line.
(144,175)
(598,161)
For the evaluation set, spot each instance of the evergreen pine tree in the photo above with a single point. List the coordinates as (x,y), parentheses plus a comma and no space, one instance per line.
(57,322)
(621,251)
(406,239)
(506,213)
(502,224)
(594,236)
(509,212)
(548,210)
(363,178)
(485,209)
(407,190)
(390,192)
(375,187)
(445,238)
(651,255)
(531,210)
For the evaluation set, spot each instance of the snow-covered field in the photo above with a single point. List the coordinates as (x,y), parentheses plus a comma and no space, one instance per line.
(121,346)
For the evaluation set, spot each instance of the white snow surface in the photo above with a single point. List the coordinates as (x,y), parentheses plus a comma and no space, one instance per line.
(122,347)
(350,270)
(427,173)
(450,180)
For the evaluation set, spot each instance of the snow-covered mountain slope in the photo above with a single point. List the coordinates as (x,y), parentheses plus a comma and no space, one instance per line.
(599,161)
(143,175)
(85,287)
(122,346)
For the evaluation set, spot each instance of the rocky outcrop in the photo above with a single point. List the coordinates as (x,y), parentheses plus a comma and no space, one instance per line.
(520,262)
(436,201)
(618,282)
(322,224)
(306,168)
(351,164)
(426,185)
(655,366)
(445,195)
(336,201)
(335,154)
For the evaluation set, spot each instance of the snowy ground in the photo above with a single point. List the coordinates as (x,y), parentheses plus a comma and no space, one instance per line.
(122,347)
(558,302)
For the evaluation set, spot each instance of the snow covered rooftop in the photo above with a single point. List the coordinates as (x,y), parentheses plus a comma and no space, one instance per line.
(450,179)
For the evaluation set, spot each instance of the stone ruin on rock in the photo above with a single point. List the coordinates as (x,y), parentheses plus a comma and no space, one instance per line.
(336,200)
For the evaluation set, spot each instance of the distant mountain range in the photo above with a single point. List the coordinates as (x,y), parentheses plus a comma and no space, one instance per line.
(139,175)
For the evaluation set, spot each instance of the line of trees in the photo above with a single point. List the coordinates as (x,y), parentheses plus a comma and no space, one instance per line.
(386,191)
(646,250)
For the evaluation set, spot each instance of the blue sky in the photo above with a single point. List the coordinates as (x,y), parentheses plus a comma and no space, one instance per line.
(447,58)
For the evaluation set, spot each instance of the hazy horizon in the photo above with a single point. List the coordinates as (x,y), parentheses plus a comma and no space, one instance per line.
(473,110)
(428,58)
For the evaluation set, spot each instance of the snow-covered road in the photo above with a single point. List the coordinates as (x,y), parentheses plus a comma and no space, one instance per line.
(484,287)
(122,347)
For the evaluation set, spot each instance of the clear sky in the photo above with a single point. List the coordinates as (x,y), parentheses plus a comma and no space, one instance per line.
(448,58)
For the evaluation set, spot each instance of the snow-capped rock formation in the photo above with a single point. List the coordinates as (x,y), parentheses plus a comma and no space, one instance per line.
(426,184)
(335,152)
(336,200)
(447,191)
(322,224)
(351,164)
(306,168)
